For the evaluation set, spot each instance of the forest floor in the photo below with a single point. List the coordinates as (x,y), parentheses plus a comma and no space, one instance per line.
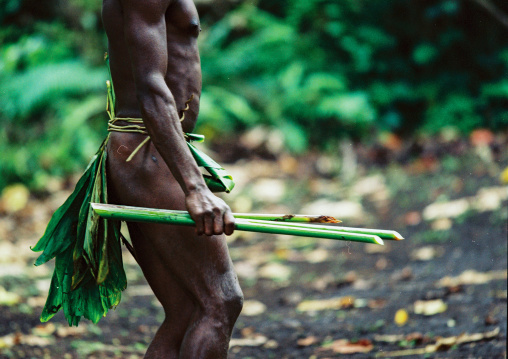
(440,293)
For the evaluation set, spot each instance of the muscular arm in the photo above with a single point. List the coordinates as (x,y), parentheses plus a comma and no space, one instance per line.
(145,35)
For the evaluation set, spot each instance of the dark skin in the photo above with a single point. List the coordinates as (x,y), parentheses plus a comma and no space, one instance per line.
(155,67)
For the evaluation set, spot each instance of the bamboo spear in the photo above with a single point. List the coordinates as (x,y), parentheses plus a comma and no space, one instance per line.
(310,221)
(138,214)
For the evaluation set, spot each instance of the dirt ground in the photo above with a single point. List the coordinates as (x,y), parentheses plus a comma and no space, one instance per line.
(440,293)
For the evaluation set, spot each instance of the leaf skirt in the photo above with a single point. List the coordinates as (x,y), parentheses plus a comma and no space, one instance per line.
(89,276)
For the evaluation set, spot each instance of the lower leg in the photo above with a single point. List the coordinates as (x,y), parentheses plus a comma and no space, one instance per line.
(209,335)
(205,340)
(194,280)
(165,344)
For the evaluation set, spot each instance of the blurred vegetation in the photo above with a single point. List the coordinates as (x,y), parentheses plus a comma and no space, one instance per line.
(314,70)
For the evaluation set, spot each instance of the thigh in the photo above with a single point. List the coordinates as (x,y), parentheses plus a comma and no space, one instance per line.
(181,267)
(177,264)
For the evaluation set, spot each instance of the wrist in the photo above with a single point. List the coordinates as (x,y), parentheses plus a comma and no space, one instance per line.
(195,187)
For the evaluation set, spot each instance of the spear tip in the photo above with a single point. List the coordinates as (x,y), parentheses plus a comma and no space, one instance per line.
(398,237)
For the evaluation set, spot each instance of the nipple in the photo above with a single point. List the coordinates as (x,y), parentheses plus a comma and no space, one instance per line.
(195,29)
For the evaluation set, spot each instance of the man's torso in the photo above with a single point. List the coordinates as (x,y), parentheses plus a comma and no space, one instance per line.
(183,75)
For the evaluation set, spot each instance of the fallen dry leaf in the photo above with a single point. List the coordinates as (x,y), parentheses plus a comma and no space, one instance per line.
(282,253)
(247,332)
(36,301)
(34,340)
(43,330)
(246,269)
(430,307)
(13,339)
(370,248)
(318,255)
(401,353)
(271,344)
(326,304)
(448,342)
(490,199)
(391,141)
(472,277)
(490,320)
(351,276)
(377,303)
(382,263)
(252,308)
(8,298)
(401,317)
(487,199)
(275,271)
(500,294)
(443,344)
(504,176)
(441,224)
(415,337)
(405,273)
(7,250)
(344,346)
(426,253)
(65,331)
(370,185)
(450,209)
(288,164)
(269,190)
(481,137)
(323,282)
(248,342)
(308,341)
(412,218)
(14,198)
(389,338)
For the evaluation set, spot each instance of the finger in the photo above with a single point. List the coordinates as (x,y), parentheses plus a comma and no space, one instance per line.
(218,224)
(208,223)
(229,223)
(199,225)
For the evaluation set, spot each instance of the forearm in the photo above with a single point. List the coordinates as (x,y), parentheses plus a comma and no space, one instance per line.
(160,116)
(145,31)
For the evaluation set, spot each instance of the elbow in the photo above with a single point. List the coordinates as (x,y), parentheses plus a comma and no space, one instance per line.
(152,93)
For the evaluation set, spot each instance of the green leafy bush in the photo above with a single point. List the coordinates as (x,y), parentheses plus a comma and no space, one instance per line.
(317,70)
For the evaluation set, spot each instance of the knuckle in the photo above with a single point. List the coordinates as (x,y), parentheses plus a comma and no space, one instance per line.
(199,213)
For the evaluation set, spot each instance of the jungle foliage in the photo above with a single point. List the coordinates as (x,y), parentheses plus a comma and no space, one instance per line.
(314,70)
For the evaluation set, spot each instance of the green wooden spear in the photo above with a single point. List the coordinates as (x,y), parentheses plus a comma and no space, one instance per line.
(326,223)
(138,214)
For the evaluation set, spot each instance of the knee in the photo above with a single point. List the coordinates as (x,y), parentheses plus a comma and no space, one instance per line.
(233,304)
(226,304)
